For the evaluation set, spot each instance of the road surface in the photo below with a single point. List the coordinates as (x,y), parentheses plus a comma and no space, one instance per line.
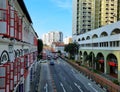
(62,77)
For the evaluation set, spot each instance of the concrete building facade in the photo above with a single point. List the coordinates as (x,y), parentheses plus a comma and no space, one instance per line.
(18,47)
(92,14)
(54,36)
(67,40)
(99,46)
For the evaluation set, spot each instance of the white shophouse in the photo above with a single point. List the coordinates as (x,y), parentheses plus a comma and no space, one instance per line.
(100,49)
(18,46)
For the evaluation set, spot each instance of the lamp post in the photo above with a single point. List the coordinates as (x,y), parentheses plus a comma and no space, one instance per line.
(92,50)
(76,53)
(92,54)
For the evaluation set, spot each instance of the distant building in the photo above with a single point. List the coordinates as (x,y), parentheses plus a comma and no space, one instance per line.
(67,40)
(51,37)
(58,46)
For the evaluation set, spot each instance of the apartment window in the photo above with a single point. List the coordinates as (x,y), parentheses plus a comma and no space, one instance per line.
(84,16)
(107,5)
(84,25)
(106,12)
(110,44)
(112,13)
(84,20)
(117,43)
(89,12)
(112,17)
(105,44)
(79,39)
(100,44)
(112,8)
(84,7)
(89,7)
(107,9)
(84,3)
(89,3)
(112,4)
(111,21)
(89,29)
(95,44)
(89,21)
(89,16)
(114,45)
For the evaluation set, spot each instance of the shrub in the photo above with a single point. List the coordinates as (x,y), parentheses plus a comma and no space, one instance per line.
(116,82)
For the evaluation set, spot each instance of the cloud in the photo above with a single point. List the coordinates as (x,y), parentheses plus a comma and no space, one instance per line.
(66,4)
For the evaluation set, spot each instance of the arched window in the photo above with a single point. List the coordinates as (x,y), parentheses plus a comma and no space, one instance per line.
(88,37)
(103,34)
(95,36)
(4,57)
(83,38)
(115,31)
(79,39)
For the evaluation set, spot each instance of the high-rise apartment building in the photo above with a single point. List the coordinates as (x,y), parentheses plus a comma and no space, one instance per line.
(92,14)
(96,29)
(67,40)
(54,36)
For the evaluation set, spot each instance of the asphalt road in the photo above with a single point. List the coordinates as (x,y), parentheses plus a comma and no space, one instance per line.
(62,77)
(45,84)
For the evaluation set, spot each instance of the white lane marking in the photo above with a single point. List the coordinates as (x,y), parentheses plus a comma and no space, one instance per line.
(46,87)
(71,88)
(62,87)
(78,87)
(72,70)
(92,87)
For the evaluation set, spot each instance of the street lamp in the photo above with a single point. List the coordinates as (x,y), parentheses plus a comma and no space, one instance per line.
(92,54)
(92,50)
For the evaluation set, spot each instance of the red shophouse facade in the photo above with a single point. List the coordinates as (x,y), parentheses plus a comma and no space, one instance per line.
(18,46)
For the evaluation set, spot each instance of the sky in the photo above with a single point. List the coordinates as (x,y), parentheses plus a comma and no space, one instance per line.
(50,15)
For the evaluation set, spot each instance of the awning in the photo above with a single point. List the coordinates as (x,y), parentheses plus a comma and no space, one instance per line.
(112,63)
(101,61)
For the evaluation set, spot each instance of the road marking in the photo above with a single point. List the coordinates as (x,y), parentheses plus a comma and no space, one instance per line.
(72,70)
(92,87)
(71,88)
(78,87)
(46,87)
(62,87)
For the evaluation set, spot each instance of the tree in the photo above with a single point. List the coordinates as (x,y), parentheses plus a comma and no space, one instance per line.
(59,52)
(40,46)
(72,49)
